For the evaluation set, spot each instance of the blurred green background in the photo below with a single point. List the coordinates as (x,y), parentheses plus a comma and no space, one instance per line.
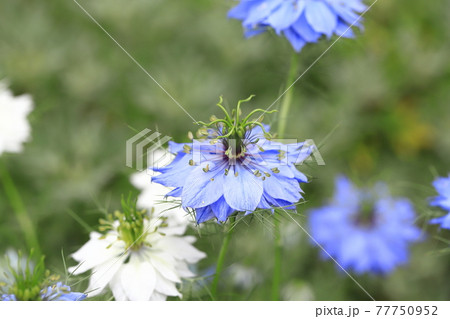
(378,106)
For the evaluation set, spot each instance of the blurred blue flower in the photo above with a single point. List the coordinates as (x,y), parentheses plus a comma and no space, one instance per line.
(60,292)
(234,168)
(442,185)
(8,297)
(365,230)
(56,292)
(300,21)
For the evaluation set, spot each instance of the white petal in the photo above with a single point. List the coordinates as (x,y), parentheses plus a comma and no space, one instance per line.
(166,287)
(138,278)
(95,252)
(183,270)
(165,264)
(158,297)
(116,287)
(14,126)
(103,274)
(180,248)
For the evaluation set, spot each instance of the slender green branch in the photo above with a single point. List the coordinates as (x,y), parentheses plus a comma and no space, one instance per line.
(286,104)
(222,254)
(276,280)
(284,115)
(19,209)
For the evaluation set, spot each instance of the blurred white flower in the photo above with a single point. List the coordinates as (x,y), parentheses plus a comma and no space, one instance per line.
(14,126)
(244,277)
(297,291)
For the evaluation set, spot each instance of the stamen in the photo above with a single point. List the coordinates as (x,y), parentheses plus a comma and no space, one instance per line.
(186,149)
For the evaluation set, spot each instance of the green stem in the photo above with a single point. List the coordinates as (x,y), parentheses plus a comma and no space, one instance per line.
(221,259)
(19,209)
(286,104)
(276,280)
(284,115)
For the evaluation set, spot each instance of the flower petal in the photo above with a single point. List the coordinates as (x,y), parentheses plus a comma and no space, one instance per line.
(242,189)
(296,41)
(138,278)
(95,252)
(203,186)
(285,15)
(320,17)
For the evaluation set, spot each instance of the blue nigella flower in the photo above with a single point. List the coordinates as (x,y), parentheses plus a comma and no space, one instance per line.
(365,230)
(442,185)
(300,21)
(56,292)
(27,280)
(234,167)
(8,297)
(60,292)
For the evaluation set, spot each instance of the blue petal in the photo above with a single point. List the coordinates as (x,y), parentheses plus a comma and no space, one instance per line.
(296,41)
(264,203)
(204,214)
(221,209)
(242,189)
(346,194)
(72,296)
(441,201)
(344,31)
(177,192)
(175,148)
(276,202)
(299,176)
(443,221)
(285,15)
(356,5)
(242,10)
(260,12)
(252,32)
(282,188)
(345,13)
(202,188)
(442,186)
(386,255)
(302,27)
(176,173)
(320,17)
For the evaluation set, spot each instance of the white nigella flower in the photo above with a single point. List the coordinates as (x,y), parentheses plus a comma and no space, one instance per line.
(14,126)
(143,254)
(244,277)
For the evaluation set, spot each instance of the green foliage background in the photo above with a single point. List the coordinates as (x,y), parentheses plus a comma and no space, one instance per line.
(377,105)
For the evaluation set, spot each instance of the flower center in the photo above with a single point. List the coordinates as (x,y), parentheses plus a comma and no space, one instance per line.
(28,280)
(130,224)
(366,215)
(233,131)
(233,128)
(235,148)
